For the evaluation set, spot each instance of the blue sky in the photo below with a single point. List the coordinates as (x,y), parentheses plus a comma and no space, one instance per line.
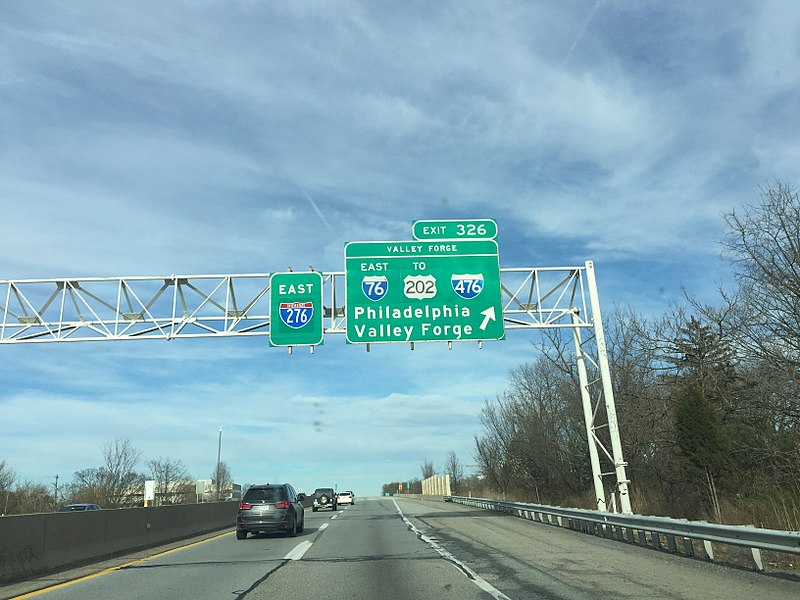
(148,138)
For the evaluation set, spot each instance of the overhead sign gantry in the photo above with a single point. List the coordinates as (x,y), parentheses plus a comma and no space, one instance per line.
(434,288)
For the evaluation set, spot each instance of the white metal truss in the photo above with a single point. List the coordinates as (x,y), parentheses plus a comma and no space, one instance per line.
(192,306)
(202,306)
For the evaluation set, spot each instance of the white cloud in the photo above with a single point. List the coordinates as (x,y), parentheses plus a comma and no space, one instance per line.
(774,45)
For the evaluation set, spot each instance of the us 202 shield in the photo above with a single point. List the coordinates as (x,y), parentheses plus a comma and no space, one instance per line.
(421,287)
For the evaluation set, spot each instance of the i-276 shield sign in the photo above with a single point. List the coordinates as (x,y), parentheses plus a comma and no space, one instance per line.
(296,309)
(296,314)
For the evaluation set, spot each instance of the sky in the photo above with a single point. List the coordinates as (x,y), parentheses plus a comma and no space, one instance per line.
(149,138)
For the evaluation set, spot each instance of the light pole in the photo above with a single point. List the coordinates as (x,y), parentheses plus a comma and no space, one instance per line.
(219,452)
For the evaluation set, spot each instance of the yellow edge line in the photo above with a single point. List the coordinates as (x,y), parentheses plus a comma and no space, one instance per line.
(117,568)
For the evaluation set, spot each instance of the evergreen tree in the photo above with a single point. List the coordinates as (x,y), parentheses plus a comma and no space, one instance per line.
(700,436)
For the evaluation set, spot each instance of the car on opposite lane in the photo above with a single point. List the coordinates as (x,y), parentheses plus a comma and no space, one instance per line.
(78,507)
(268,508)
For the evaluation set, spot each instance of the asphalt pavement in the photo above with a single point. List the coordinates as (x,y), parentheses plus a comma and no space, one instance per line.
(407,548)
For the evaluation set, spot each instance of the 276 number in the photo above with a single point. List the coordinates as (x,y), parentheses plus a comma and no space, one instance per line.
(298,316)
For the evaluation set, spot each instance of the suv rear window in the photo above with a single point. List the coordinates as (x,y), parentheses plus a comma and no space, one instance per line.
(264,495)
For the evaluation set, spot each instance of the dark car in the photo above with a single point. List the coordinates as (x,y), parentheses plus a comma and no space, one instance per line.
(270,507)
(324,498)
(78,507)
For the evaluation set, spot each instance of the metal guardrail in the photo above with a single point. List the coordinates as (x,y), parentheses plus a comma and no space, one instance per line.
(649,531)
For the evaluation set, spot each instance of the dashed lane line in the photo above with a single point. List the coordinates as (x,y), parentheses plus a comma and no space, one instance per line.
(298,551)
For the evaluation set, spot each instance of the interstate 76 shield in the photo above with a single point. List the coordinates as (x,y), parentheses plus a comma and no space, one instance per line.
(374,287)
(295,309)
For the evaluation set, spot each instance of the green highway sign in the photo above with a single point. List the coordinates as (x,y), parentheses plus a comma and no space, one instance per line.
(423,291)
(476,229)
(295,301)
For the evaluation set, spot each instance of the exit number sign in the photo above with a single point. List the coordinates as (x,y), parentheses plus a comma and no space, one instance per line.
(475,229)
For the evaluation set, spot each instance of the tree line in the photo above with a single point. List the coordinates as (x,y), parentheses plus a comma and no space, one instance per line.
(461,483)
(116,483)
(707,395)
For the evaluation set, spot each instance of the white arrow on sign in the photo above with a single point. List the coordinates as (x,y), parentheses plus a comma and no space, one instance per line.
(488,315)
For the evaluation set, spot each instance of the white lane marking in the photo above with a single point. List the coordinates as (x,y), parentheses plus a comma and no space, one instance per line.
(333,517)
(477,579)
(298,551)
(324,526)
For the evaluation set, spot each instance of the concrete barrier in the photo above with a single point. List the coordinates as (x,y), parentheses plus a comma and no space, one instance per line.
(42,543)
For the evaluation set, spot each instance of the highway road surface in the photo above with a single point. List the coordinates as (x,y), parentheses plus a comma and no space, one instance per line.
(406,548)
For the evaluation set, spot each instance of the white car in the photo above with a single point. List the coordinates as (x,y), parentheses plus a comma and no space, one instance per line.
(346,497)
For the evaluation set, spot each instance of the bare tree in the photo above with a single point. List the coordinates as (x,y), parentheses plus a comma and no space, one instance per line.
(172,480)
(763,245)
(7,477)
(112,484)
(427,468)
(493,449)
(29,498)
(88,485)
(121,459)
(453,467)
(225,479)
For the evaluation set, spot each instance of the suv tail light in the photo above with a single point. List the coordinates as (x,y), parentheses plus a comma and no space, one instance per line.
(245,506)
(284,504)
